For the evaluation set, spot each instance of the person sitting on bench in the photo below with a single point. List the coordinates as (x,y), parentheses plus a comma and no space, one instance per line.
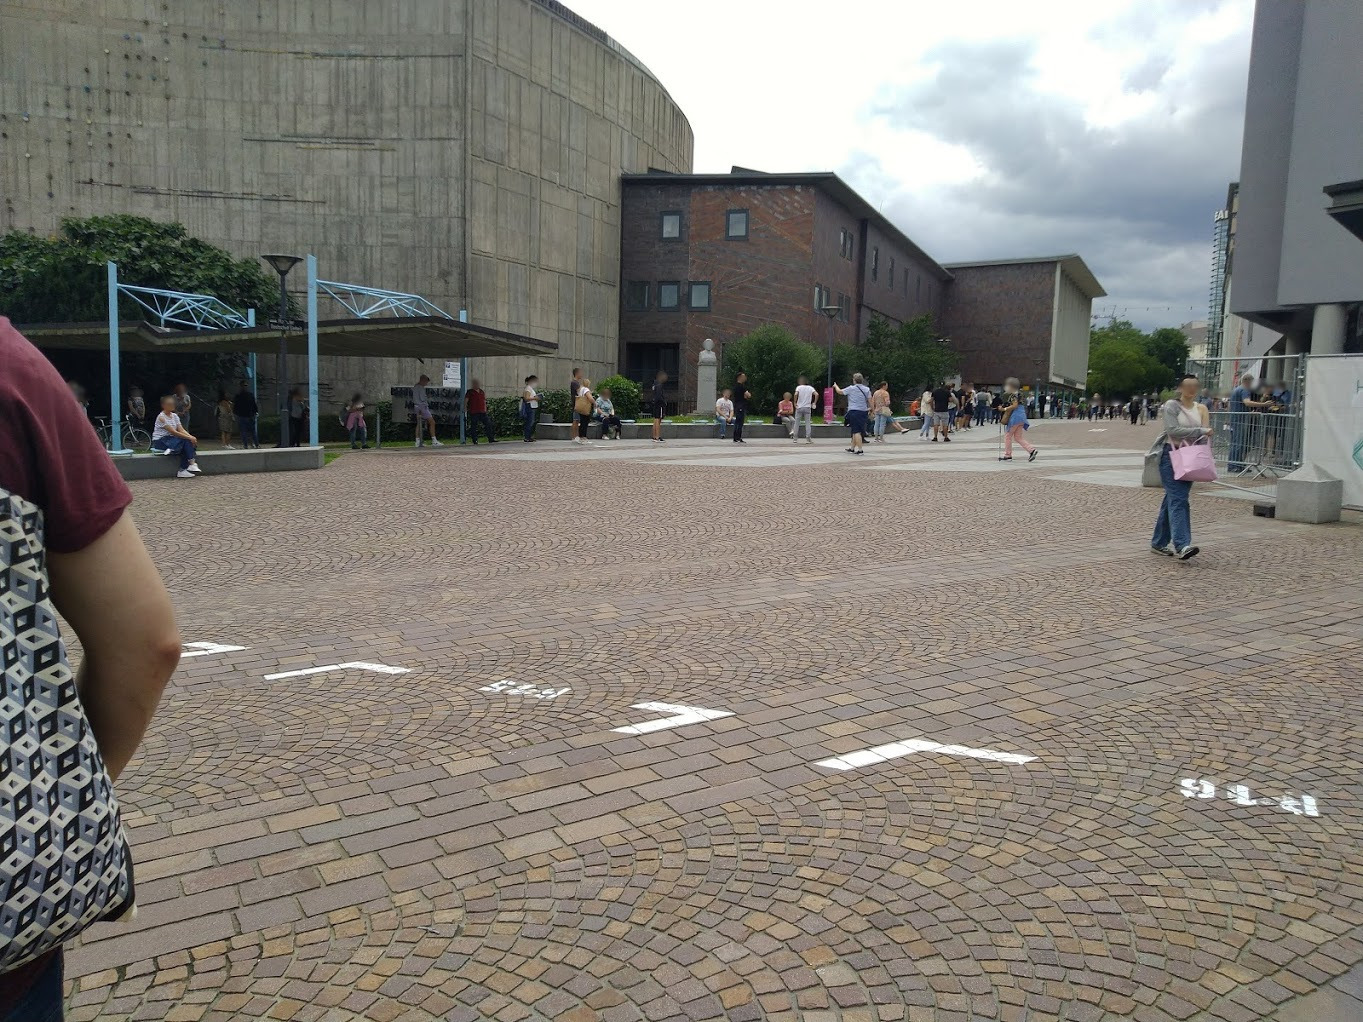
(169,437)
(605,411)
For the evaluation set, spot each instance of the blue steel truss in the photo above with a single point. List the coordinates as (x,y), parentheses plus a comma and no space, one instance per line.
(179,308)
(369,302)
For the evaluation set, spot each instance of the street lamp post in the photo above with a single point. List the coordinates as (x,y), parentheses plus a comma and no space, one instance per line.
(282,264)
(831,311)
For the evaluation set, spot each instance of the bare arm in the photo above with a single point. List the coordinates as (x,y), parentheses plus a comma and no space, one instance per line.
(113,597)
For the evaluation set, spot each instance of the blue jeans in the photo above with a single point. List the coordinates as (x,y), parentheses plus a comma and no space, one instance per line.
(178,445)
(1174,523)
(246,425)
(723,426)
(43,1000)
(531,416)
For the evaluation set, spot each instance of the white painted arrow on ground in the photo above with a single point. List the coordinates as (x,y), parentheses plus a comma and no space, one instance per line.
(206,649)
(684,715)
(881,753)
(358,665)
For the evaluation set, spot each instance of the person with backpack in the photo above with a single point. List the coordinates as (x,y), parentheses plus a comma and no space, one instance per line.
(74,548)
(1015,422)
(858,405)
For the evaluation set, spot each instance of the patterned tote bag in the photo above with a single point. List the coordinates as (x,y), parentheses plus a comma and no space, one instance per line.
(64,860)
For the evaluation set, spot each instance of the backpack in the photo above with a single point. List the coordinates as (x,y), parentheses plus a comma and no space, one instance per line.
(64,860)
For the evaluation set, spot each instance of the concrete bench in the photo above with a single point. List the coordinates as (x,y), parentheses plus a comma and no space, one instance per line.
(267,459)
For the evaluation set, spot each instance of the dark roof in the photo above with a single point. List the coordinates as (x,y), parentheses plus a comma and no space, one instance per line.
(407,337)
(1072,264)
(1346,205)
(825,181)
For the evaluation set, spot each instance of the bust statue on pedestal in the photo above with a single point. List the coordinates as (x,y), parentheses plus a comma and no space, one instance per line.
(707,377)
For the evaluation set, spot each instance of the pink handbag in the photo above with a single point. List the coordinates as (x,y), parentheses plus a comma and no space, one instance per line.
(1193,463)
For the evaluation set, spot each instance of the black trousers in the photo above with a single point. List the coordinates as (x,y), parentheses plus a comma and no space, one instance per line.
(483,419)
(740,415)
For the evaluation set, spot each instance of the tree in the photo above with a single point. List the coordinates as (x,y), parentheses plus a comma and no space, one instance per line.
(774,358)
(909,357)
(1123,360)
(62,279)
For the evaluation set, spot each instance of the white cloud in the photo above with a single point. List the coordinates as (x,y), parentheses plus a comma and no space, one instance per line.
(984,128)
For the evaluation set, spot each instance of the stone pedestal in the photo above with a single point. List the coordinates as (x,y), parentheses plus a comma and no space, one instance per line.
(1310,495)
(707,378)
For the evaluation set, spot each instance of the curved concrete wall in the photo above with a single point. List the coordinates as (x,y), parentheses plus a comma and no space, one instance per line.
(467,150)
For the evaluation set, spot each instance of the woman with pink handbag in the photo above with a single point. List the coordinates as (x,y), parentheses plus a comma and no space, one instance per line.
(1184,455)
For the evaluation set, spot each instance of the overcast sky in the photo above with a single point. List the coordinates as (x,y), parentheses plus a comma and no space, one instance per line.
(982,128)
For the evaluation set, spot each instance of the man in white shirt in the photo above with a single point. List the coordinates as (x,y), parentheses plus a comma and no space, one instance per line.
(925,410)
(805,395)
(724,413)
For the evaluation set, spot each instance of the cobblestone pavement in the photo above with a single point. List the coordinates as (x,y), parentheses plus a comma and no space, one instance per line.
(1107,785)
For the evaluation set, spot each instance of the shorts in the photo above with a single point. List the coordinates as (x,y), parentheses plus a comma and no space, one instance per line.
(659,410)
(422,409)
(856,420)
(941,419)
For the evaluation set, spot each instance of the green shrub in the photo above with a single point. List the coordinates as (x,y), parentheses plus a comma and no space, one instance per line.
(626,395)
(774,359)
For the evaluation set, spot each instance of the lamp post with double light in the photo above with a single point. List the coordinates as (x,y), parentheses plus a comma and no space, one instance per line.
(831,311)
(282,264)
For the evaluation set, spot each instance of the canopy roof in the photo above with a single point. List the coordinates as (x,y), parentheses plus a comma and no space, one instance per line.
(423,337)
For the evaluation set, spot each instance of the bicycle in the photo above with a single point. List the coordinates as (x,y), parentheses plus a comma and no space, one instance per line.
(134,437)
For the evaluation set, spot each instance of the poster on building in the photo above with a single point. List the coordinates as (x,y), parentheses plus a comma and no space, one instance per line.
(1333,440)
(450,377)
(443,402)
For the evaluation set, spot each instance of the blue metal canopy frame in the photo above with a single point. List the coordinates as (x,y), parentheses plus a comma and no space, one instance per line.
(171,308)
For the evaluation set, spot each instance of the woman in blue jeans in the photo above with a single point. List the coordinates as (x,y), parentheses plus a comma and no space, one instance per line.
(1185,421)
(170,437)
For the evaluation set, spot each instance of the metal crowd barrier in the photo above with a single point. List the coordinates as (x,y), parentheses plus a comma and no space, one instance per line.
(1255,444)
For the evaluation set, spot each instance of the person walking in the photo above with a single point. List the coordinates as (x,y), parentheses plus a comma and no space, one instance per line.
(1185,421)
(421,408)
(475,403)
(246,410)
(1135,409)
(530,407)
(658,399)
(741,398)
(858,405)
(354,423)
(73,719)
(805,395)
(1015,422)
(227,421)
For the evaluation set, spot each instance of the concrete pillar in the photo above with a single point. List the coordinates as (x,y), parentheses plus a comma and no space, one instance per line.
(1327,330)
(707,378)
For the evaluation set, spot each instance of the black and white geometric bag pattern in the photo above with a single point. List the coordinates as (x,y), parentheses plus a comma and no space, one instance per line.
(64,861)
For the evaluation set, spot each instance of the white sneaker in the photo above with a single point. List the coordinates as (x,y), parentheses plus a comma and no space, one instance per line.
(230,447)
(194,467)
(184,474)
(436,443)
(417,444)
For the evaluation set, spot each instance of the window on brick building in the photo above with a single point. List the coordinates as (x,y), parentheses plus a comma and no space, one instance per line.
(671,225)
(918,289)
(669,294)
(844,308)
(847,244)
(736,223)
(698,294)
(875,264)
(818,298)
(891,280)
(636,294)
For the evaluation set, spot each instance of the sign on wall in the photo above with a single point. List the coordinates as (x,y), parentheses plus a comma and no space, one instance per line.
(450,377)
(1334,421)
(443,402)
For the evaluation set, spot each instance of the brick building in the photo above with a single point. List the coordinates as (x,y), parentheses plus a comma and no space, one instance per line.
(718,255)
(1028,318)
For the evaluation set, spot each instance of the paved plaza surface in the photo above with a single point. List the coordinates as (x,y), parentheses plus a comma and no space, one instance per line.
(693,731)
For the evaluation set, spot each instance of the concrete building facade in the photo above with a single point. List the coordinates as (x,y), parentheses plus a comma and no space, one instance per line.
(718,255)
(466,150)
(1295,270)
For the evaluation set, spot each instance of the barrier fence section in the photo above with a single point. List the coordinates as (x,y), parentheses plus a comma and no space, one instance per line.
(1334,434)
(1262,436)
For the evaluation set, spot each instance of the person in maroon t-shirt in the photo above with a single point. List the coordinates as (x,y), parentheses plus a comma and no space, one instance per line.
(476,405)
(102,581)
